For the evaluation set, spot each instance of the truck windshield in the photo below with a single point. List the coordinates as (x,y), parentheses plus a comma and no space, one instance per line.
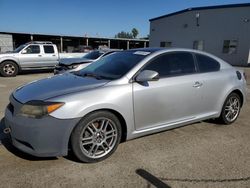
(17,50)
(113,66)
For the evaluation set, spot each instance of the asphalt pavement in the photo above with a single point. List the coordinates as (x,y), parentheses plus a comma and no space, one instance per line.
(203,154)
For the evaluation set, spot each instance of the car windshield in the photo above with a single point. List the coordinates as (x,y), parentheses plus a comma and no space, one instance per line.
(93,55)
(17,50)
(113,66)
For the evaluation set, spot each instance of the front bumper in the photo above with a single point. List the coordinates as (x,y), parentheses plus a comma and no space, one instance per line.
(60,69)
(45,137)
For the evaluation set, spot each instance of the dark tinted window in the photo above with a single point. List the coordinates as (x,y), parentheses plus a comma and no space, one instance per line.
(33,49)
(165,44)
(207,64)
(48,49)
(170,64)
(230,46)
(115,65)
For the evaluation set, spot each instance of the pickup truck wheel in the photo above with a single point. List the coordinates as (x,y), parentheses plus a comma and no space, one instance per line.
(8,69)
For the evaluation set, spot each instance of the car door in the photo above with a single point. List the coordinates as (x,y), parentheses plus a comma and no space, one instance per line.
(49,58)
(174,97)
(30,56)
(215,83)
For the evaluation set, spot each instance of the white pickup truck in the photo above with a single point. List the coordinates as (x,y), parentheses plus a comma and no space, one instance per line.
(30,56)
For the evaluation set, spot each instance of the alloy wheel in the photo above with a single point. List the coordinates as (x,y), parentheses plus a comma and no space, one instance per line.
(98,138)
(9,69)
(232,109)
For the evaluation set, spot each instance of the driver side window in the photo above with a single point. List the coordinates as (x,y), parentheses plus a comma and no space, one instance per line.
(172,64)
(32,49)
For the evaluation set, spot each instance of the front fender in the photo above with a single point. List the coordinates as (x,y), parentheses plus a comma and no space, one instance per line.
(117,98)
(9,58)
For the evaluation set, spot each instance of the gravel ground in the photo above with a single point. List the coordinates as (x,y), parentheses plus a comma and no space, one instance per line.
(198,155)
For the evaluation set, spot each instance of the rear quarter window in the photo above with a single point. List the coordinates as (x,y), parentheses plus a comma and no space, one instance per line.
(207,64)
(48,49)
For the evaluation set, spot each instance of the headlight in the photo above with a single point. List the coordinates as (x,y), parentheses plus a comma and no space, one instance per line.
(38,109)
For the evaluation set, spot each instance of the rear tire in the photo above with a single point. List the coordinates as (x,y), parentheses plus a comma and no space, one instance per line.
(231,109)
(96,136)
(8,69)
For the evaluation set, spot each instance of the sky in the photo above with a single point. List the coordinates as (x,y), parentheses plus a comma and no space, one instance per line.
(102,18)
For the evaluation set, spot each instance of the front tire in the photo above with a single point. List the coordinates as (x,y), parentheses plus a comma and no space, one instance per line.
(96,136)
(8,69)
(231,109)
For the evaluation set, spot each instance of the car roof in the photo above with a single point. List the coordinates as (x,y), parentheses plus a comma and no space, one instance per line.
(169,49)
(145,49)
(162,49)
(153,50)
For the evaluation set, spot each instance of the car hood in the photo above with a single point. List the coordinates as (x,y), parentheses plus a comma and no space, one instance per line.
(70,61)
(55,86)
(7,54)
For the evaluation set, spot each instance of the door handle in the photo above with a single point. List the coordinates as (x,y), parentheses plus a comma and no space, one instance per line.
(39,55)
(54,55)
(197,84)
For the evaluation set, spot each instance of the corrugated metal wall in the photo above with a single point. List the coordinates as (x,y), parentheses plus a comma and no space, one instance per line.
(215,26)
(6,43)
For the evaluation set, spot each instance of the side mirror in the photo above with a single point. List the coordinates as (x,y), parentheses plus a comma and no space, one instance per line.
(24,51)
(147,75)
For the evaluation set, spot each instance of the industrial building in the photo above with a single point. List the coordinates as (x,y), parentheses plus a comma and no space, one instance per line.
(221,30)
(10,41)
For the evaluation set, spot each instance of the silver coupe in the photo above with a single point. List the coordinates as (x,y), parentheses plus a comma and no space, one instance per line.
(122,96)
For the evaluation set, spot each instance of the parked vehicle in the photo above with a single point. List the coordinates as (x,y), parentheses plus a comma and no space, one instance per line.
(122,96)
(75,64)
(85,49)
(30,56)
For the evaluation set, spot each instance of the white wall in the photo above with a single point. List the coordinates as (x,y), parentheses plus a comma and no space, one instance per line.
(216,25)
(6,42)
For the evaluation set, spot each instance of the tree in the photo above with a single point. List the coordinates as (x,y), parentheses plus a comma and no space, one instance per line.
(134,32)
(124,34)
